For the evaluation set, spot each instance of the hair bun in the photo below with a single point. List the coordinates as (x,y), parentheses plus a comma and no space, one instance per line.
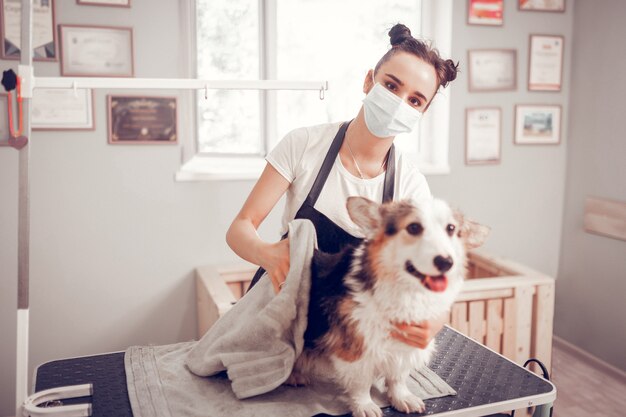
(398,34)
(450,71)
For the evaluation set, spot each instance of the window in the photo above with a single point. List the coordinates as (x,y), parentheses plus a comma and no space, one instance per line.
(337,41)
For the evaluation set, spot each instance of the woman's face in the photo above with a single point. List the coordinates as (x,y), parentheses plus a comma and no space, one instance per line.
(407,76)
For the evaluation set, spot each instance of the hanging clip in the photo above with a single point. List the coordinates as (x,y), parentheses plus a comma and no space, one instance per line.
(322,93)
(206,92)
(11,81)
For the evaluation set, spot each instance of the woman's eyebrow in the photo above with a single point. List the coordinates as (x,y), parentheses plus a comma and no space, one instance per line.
(396,79)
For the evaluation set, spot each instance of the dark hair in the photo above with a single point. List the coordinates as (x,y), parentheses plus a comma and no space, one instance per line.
(402,41)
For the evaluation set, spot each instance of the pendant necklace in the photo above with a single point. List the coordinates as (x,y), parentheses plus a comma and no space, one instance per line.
(356,164)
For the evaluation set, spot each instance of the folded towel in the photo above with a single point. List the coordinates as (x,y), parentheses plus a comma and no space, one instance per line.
(256,343)
(259,339)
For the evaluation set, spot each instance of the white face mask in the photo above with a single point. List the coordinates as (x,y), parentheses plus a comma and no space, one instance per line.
(387,114)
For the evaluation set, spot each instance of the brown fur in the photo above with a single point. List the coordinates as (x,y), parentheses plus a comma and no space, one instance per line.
(396,216)
(343,339)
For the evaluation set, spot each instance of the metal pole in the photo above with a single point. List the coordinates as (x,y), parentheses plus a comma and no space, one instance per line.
(23,239)
(175,83)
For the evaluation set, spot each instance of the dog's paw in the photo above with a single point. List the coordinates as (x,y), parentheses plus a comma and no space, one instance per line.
(408,403)
(296,379)
(369,409)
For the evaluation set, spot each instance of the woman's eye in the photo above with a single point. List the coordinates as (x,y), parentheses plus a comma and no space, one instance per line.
(391,86)
(450,229)
(414,229)
(415,102)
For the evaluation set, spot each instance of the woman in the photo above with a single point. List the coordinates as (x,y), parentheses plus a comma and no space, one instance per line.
(320,166)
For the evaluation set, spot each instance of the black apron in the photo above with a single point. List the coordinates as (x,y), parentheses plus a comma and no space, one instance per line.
(330,237)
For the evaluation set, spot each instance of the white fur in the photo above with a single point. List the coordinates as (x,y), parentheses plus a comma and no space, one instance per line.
(398,297)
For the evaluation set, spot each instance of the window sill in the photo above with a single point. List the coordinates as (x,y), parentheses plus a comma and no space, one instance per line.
(201,168)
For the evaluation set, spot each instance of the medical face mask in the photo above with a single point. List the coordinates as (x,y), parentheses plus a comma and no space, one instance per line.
(387,114)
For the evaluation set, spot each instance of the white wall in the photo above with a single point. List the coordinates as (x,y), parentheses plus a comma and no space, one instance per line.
(590,308)
(522,197)
(114,240)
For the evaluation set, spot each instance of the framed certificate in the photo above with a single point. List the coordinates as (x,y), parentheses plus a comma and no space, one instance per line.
(4,120)
(99,51)
(43,35)
(542,5)
(492,70)
(112,3)
(483,127)
(142,120)
(537,124)
(485,12)
(545,62)
(62,109)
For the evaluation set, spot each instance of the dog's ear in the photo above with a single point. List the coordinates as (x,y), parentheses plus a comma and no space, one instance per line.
(365,213)
(472,233)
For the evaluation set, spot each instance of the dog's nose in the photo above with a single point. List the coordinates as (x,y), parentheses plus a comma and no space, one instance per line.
(443,264)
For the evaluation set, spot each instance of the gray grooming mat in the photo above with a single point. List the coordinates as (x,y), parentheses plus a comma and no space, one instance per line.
(485,382)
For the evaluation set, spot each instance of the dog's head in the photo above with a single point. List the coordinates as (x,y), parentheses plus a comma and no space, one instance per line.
(423,243)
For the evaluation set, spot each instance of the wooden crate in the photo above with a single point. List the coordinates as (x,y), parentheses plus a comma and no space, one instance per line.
(504,305)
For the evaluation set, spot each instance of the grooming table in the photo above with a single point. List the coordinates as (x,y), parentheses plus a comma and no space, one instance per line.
(486,382)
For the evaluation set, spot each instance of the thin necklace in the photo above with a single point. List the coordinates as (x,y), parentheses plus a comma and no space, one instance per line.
(356,164)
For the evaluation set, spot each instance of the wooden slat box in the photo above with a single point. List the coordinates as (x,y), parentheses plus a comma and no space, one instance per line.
(504,305)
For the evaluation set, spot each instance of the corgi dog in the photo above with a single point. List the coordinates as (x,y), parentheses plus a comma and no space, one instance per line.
(409,268)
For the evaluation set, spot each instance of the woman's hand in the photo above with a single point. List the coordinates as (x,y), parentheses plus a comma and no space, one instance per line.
(276,262)
(418,335)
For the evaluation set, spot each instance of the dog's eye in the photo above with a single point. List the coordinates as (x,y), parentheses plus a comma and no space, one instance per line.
(450,229)
(414,229)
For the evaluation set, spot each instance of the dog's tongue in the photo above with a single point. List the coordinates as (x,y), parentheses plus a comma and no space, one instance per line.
(437,284)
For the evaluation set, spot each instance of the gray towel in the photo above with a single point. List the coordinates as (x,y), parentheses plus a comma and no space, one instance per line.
(159,385)
(256,343)
(259,339)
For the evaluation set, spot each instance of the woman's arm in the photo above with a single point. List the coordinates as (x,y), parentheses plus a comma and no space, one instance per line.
(242,235)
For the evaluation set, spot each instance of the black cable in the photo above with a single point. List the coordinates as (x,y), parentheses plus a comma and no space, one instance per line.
(546,374)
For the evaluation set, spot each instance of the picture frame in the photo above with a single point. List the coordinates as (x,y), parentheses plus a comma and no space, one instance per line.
(545,62)
(4,120)
(141,119)
(483,135)
(96,51)
(492,70)
(44,37)
(557,6)
(107,3)
(485,12)
(537,124)
(62,109)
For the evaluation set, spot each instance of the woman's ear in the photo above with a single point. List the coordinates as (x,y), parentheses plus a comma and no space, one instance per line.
(368,83)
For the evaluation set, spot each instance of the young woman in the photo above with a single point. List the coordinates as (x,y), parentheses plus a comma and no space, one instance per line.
(319,167)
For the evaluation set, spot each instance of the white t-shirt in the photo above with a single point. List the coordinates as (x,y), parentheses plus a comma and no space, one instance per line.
(298,157)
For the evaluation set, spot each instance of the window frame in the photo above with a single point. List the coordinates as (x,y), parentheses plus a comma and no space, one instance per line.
(201,166)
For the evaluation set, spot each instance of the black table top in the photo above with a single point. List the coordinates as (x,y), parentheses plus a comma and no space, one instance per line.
(485,381)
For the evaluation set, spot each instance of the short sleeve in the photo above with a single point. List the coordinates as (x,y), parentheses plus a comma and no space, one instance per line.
(287,154)
(413,184)
(418,188)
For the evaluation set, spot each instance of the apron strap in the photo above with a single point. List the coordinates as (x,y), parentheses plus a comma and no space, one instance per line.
(390,175)
(327,165)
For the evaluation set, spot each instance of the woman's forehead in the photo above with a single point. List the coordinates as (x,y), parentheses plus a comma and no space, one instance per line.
(415,73)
